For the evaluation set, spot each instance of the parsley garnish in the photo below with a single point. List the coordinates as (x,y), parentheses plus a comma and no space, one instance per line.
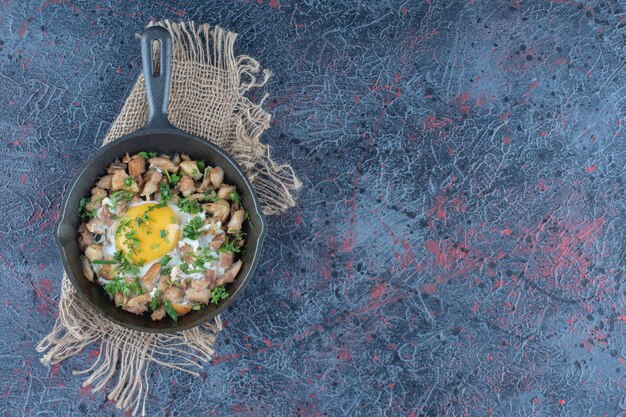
(116,196)
(170,310)
(154,303)
(235,197)
(85,214)
(132,241)
(163,235)
(191,230)
(218,294)
(172,178)
(125,263)
(211,196)
(201,165)
(119,284)
(164,261)
(247,217)
(129,181)
(228,246)
(124,223)
(147,155)
(189,206)
(164,190)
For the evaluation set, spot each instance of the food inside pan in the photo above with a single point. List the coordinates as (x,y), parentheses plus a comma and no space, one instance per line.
(162,234)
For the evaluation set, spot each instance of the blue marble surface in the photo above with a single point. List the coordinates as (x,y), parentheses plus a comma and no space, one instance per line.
(458,247)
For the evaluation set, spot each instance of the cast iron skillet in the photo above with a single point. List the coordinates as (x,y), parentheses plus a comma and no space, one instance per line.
(160,136)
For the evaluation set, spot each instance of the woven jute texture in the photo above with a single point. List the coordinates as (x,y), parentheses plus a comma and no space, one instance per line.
(207,99)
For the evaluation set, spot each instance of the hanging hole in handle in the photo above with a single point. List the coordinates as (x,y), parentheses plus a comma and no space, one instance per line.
(156,58)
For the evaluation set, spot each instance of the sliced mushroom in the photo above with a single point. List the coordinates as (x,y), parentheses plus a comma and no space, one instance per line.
(136,166)
(85,237)
(149,277)
(152,183)
(181,309)
(225,191)
(96,226)
(106,271)
(121,207)
(138,304)
(207,282)
(106,215)
(105,182)
(173,294)
(119,299)
(94,252)
(118,182)
(196,196)
(176,158)
(185,157)
(87,269)
(226,259)
(116,166)
(99,193)
(217,241)
(220,209)
(217,176)
(229,276)
(186,185)
(201,296)
(158,314)
(191,168)
(164,164)
(126,158)
(234,225)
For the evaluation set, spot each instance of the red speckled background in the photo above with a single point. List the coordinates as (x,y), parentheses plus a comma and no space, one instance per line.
(458,247)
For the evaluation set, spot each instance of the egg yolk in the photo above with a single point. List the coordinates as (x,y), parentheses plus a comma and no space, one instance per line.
(147,232)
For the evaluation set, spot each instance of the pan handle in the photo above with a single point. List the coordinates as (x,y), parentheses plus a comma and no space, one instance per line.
(157,85)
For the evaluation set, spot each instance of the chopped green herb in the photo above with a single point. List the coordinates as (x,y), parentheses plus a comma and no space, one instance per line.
(128,289)
(104,262)
(197,307)
(211,196)
(235,197)
(147,155)
(123,224)
(201,165)
(165,260)
(163,235)
(247,217)
(125,263)
(189,206)
(170,310)
(218,294)
(129,181)
(228,246)
(132,241)
(173,179)
(164,190)
(84,213)
(191,230)
(155,246)
(154,303)
(117,196)
(173,219)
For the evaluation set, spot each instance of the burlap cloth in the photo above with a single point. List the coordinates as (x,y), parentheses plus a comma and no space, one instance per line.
(208,100)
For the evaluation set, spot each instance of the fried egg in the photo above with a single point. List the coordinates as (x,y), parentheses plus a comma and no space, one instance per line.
(147,232)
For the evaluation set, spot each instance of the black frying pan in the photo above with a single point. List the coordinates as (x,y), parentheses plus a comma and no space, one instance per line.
(160,136)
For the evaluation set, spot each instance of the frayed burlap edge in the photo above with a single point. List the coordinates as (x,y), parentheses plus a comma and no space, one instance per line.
(208,100)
